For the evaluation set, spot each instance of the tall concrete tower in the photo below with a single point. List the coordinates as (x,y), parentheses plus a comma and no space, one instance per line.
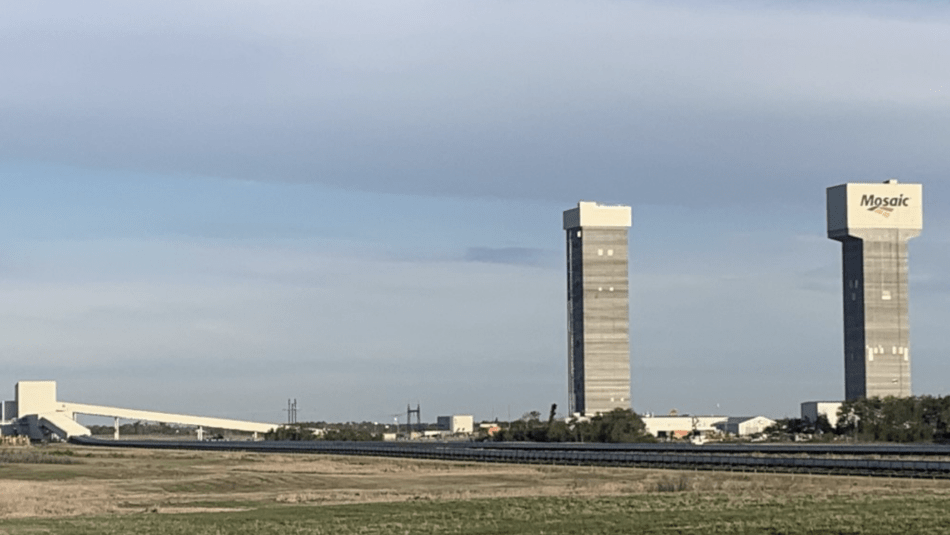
(874,222)
(598,315)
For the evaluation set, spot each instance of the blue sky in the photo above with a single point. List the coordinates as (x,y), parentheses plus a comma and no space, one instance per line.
(211,207)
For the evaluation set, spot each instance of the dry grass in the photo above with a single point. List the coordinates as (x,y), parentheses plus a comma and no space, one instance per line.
(134,481)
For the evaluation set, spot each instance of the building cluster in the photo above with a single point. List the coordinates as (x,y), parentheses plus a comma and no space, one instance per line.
(873,222)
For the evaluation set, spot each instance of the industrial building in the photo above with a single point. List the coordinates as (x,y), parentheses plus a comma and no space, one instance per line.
(457,424)
(598,308)
(745,426)
(38,414)
(812,410)
(874,222)
(669,427)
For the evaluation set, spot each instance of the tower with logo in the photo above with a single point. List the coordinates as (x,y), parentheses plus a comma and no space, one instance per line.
(598,308)
(874,222)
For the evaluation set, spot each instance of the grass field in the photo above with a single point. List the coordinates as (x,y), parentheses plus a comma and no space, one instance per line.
(166,492)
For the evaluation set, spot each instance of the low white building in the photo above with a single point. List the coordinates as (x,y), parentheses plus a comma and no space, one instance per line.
(811,410)
(459,424)
(681,426)
(744,426)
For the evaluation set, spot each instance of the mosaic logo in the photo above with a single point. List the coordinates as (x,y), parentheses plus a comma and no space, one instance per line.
(884,206)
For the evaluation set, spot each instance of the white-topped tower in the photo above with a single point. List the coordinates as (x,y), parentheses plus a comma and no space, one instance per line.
(598,308)
(874,222)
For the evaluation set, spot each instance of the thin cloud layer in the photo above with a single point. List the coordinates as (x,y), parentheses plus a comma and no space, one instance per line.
(502,99)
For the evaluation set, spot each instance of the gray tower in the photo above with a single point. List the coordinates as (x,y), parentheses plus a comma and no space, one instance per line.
(598,315)
(873,222)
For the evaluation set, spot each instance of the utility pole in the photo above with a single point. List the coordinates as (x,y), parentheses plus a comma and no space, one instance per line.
(291,411)
(409,412)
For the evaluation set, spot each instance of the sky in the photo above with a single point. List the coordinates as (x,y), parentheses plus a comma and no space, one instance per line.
(212,207)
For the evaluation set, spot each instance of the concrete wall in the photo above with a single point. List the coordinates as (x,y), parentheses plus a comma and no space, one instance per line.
(591,214)
(876,322)
(811,410)
(463,423)
(459,423)
(598,317)
(36,397)
(889,205)
(9,410)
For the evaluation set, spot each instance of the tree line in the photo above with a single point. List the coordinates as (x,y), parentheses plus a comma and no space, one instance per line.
(618,425)
(889,419)
(913,419)
(350,431)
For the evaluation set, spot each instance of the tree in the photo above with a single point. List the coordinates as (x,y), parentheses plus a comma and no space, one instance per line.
(619,425)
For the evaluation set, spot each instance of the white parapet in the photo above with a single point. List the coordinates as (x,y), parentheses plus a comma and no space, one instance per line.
(591,214)
(890,206)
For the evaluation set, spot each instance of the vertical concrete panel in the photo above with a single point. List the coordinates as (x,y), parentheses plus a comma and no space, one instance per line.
(886,326)
(876,326)
(598,319)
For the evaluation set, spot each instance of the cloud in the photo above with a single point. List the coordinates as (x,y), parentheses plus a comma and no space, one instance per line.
(529,100)
(525,256)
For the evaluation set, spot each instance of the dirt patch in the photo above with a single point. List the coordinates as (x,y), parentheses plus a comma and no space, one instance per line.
(185,510)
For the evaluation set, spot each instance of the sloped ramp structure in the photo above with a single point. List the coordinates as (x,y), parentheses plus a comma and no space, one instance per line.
(62,426)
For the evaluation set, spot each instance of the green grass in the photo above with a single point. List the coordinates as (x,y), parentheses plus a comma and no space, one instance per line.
(684,513)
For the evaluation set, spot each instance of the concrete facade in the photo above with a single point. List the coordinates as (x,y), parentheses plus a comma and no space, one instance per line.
(811,410)
(457,424)
(9,411)
(598,308)
(874,222)
(35,397)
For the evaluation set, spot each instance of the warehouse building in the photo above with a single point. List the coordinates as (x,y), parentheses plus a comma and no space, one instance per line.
(678,427)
